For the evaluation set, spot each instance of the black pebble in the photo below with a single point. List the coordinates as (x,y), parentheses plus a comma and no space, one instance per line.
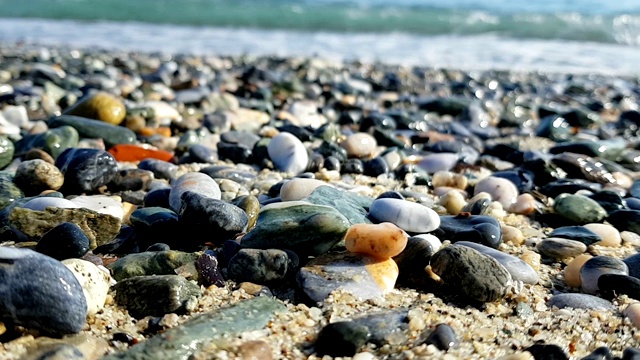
(443,337)
(547,352)
(376,167)
(390,195)
(631,354)
(331,163)
(65,241)
(353,166)
(158,198)
(601,353)
(341,339)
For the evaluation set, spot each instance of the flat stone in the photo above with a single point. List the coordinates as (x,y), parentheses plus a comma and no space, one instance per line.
(474,275)
(363,276)
(351,205)
(559,248)
(194,182)
(409,216)
(95,129)
(580,301)
(40,293)
(99,228)
(42,202)
(579,209)
(155,295)
(519,270)
(94,281)
(150,263)
(298,226)
(102,204)
(598,266)
(181,342)
(480,229)
(578,233)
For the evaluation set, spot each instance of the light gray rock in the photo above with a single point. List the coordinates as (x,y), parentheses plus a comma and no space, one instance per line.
(407,215)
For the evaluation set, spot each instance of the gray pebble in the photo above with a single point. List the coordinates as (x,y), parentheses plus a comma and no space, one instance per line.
(559,248)
(597,266)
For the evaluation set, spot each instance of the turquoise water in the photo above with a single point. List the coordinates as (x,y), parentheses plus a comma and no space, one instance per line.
(600,36)
(605,21)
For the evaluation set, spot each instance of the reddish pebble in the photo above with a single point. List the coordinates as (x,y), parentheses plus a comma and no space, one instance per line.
(133,152)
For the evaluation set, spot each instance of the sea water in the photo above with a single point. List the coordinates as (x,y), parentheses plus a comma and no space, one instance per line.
(581,36)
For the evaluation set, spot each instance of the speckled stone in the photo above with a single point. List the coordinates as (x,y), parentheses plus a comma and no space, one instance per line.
(477,276)
(85,170)
(363,276)
(40,293)
(94,281)
(155,295)
(409,216)
(382,240)
(519,270)
(35,176)
(150,263)
(597,266)
(262,266)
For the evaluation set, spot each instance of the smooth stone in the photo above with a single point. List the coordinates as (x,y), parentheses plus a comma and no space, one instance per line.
(409,216)
(299,188)
(153,223)
(443,337)
(150,263)
(95,129)
(203,154)
(157,198)
(209,271)
(610,235)
(353,166)
(77,347)
(94,281)
(433,163)
(251,207)
(9,191)
(601,353)
(633,313)
(288,153)
(155,295)
(453,201)
(261,266)
(559,248)
(40,293)
(363,276)
(578,233)
(212,328)
(384,240)
(572,270)
(360,145)
(580,301)
(547,352)
(255,350)
(161,169)
(102,204)
(194,182)
(625,220)
(386,326)
(86,170)
(501,190)
(36,176)
(99,228)
(343,338)
(41,203)
(101,106)
(7,150)
(609,200)
(519,270)
(513,235)
(474,275)
(633,263)
(53,141)
(65,241)
(612,285)
(159,247)
(415,257)
(131,180)
(210,220)
(525,205)
(310,229)
(351,205)
(631,354)
(579,209)
(449,179)
(480,229)
(597,266)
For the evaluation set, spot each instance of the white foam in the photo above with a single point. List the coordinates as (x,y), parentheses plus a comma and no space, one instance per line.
(459,52)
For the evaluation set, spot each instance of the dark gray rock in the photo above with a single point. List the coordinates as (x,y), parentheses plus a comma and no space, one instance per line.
(598,266)
(261,266)
(342,338)
(519,270)
(40,293)
(547,352)
(579,301)
(611,285)
(85,170)
(601,353)
(443,337)
(578,233)
(65,241)
(479,229)
(154,295)
(150,263)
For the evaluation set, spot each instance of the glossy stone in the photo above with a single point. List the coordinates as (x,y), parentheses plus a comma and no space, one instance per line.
(85,170)
(519,270)
(288,153)
(480,229)
(382,240)
(579,209)
(597,266)
(579,301)
(409,216)
(63,242)
(194,182)
(150,263)
(100,106)
(578,233)
(95,129)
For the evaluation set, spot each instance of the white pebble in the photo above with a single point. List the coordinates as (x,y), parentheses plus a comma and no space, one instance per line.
(299,188)
(407,215)
(360,145)
(453,201)
(194,181)
(363,356)
(102,204)
(41,203)
(288,153)
(501,190)
(95,283)
(610,235)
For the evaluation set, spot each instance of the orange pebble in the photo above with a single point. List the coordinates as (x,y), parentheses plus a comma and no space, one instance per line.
(133,152)
(149,131)
(383,240)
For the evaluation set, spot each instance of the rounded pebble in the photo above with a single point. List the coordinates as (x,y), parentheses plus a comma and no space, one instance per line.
(299,188)
(501,190)
(94,281)
(194,182)
(360,145)
(288,153)
(610,236)
(382,240)
(572,270)
(597,266)
(409,216)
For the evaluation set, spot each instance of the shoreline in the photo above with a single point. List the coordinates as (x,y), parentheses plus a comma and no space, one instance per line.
(506,327)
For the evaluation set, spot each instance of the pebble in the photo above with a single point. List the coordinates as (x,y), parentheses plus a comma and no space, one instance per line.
(262,266)
(601,353)
(415,257)
(580,301)
(547,352)
(343,338)
(579,209)
(40,293)
(288,153)
(478,277)
(512,235)
(112,135)
(625,220)
(525,204)
(384,240)
(100,106)
(453,201)
(36,176)
(41,203)
(609,234)
(150,263)
(160,169)
(102,204)
(194,182)
(409,216)
(155,295)
(255,350)
(597,266)
(95,283)
(208,270)
(299,188)
(633,313)
(578,233)
(76,347)
(363,276)
(572,270)
(631,354)
(612,285)
(351,205)
(85,170)
(360,145)
(311,229)
(633,263)
(480,229)
(519,270)
(449,179)
(559,248)
(501,190)
(433,163)
(64,241)
(443,337)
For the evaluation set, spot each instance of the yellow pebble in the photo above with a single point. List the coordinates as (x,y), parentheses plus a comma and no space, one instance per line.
(572,271)
(383,240)
(512,234)
(610,235)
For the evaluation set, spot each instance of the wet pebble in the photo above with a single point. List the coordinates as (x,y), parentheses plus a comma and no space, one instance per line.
(384,240)
(480,229)
(36,176)
(85,170)
(194,182)
(64,241)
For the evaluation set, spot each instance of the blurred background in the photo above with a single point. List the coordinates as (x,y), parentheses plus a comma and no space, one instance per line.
(600,36)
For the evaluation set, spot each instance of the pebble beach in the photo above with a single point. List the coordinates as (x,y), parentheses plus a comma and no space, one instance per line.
(158,206)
